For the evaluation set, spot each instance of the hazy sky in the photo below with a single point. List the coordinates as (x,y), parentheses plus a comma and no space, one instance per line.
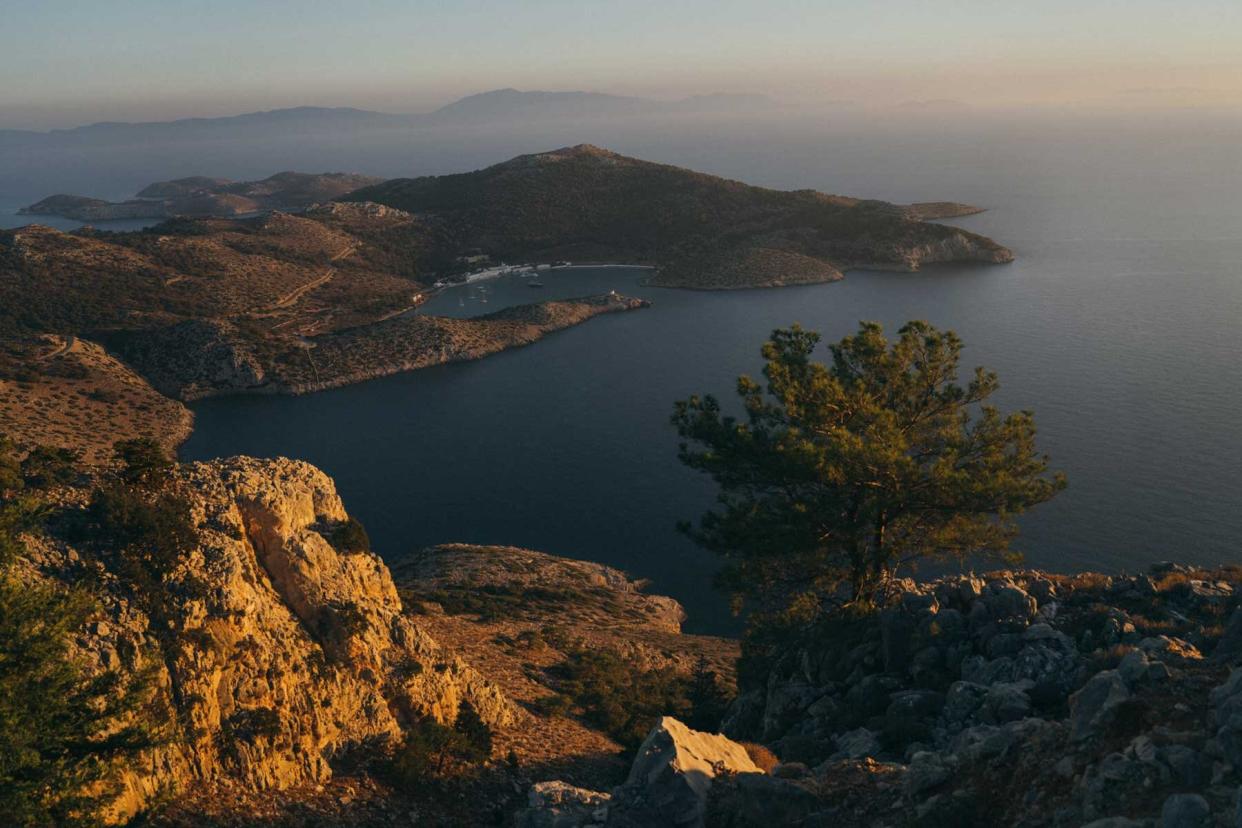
(65,62)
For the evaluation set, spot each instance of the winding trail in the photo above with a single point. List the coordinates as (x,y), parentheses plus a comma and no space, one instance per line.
(297,293)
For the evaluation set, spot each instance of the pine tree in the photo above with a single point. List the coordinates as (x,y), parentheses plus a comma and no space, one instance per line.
(841,474)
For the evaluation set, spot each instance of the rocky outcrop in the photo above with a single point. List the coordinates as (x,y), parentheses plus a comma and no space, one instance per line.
(195,359)
(1019,698)
(584,591)
(556,804)
(669,784)
(672,775)
(275,651)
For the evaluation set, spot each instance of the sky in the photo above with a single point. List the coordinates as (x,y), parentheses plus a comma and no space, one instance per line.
(66,62)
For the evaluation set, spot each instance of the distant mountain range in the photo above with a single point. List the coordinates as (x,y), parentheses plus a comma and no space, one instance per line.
(501,105)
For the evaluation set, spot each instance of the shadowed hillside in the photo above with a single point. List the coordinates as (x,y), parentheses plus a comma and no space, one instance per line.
(587,203)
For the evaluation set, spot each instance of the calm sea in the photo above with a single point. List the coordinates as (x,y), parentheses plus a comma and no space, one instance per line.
(1120,325)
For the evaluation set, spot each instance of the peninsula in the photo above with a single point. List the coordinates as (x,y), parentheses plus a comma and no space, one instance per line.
(291,302)
(585,203)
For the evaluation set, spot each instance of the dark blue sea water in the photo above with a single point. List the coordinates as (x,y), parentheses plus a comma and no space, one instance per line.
(1120,325)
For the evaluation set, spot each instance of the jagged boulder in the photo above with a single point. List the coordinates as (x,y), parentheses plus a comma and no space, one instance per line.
(668,783)
(1093,706)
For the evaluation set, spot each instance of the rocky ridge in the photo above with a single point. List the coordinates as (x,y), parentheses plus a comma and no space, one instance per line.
(1019,698)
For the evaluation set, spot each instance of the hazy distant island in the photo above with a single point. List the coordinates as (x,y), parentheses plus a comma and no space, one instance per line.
(129,323)
(201,196)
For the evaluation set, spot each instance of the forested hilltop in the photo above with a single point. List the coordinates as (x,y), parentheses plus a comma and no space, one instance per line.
(585,203)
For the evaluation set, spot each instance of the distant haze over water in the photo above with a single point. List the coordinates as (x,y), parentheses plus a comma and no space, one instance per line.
(1118,325)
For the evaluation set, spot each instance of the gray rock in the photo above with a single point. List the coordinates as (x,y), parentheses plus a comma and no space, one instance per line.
(1187,767)
(1132,667)
(1231,687)
(1008,602)
(982,742)
(897,632)
(979,670)
(963,701)
(561,805)
(1004,644)
(969,588)
(1114,822)
(926,771)
(1185,810)
(915,704)
(1228,649)
(1007,702)
(1093,706)
(858,744)
(672,774)
(785,706)
(751,800)
(791,770)
(1229,738)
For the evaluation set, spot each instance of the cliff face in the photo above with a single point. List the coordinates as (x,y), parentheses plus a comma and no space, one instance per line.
(276,650)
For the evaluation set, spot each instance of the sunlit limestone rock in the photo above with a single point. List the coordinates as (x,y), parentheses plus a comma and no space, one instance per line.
(275,649)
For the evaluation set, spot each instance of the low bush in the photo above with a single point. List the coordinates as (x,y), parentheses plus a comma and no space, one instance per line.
(47,466)
(611,694)
(64,734)
(430,748)
(349,536)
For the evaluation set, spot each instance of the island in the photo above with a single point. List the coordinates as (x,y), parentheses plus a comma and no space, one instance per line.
(202,196)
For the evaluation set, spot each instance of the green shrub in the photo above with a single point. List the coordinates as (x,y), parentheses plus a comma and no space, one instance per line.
(250,723)
(430,748)
(48,466)
(57,766)
(145,534)
(154,529)
(350,536)
(11,479)
(609,693)
(476,735)
(707,699)
(143,461)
